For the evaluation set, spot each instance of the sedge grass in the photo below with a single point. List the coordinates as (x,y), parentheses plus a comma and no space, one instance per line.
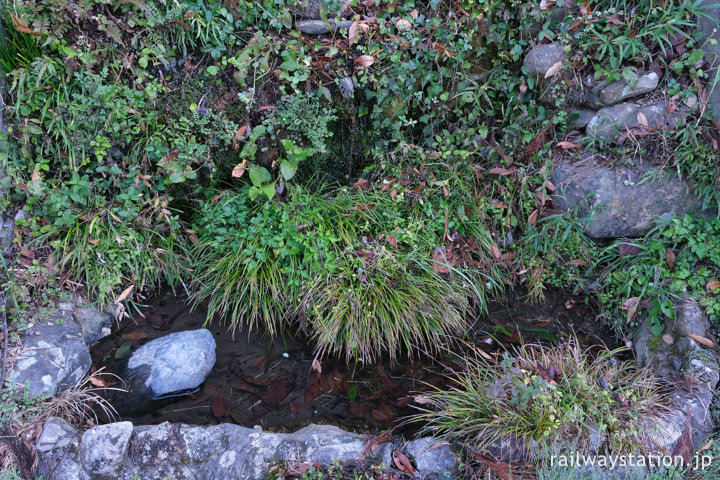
(592,395)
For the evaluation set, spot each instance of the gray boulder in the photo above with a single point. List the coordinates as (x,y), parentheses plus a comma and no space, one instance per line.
(610,123)
(432,457)
(313,9)
(539,60)
(580,118)
(639,83)
(673,355)
(57,448)
(623,207)
(172,364)
(103,448)
(7,228)
(537,63)
(54,357)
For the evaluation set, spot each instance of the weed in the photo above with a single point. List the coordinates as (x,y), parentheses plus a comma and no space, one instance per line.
(548,397)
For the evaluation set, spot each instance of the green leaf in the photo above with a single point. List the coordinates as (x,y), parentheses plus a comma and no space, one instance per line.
(254,192)
(288,169)
(352,393)
(212,70)
(122,352)
(259,175)
(143,62)
(269,190)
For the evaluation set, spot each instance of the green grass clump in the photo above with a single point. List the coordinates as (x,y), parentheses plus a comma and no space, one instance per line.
(253,261)
(518,397)
(379,301)
(109,255)
(356,271)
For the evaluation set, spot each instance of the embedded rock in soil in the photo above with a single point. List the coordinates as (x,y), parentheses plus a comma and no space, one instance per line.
(539,60)
(7,230)
(432,457)
(623,208)
(54,357)
(537,63)
(580,118)
(681,359)
(318,27)
(212,452)
(103,448)
(172,364)
(312,8)
(639,83)
(93,322)
(610,123)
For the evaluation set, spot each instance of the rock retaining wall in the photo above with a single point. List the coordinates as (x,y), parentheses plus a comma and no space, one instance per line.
(186,452)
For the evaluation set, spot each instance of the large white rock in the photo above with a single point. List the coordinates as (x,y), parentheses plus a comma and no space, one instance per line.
(172,364)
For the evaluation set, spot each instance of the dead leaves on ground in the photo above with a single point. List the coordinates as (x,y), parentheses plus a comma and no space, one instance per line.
(402,463)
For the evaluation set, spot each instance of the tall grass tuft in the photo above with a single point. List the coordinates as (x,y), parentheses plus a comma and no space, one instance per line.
(380,302)
(18,46)
(549,397)
(110,255)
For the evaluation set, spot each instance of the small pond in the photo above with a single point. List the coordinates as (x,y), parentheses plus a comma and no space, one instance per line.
(257,381)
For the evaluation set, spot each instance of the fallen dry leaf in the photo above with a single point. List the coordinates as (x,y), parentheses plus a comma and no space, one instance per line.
(316,366)
(670,258)
(258,361)
(501,171)
(220,406)
(642,119)
(712,285)
(440,260)
(125,294)
(239,170)
(631,307)
(98,382)
(365,60)
(134,335)
(533,217)
(402,463)
(362,184)
(702,340)
(565,145)
(554,69)
(578,262)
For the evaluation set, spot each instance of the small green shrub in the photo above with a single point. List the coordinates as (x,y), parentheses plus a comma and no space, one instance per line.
(547,398)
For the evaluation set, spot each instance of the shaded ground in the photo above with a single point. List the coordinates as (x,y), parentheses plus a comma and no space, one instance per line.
(273,384)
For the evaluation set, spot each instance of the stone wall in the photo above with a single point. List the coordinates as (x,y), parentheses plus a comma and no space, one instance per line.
(185,452)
